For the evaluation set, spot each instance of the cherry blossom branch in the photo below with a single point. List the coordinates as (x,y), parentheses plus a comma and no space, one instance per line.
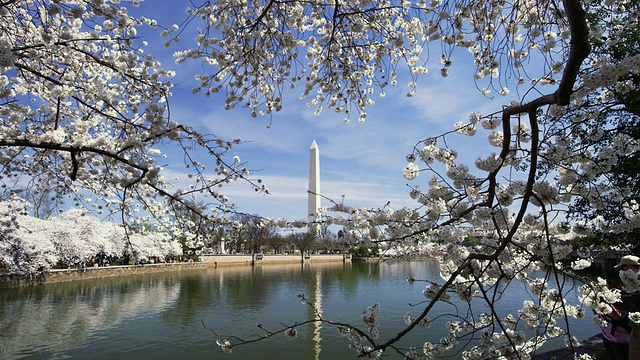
(579,51)
(73,150)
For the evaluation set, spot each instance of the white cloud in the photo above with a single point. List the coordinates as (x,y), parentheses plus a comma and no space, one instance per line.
(288,196)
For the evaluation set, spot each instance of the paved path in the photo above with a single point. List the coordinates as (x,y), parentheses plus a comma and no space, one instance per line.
(591,346)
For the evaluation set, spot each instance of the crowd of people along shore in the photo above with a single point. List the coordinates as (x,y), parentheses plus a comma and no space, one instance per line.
(102,259)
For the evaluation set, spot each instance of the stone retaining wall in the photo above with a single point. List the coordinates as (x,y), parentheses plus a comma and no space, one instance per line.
(60,275)
(259,259)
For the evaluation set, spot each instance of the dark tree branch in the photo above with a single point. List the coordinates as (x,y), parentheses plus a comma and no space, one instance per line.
(579,51)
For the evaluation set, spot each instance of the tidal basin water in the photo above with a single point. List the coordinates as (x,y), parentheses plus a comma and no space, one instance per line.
(174,315)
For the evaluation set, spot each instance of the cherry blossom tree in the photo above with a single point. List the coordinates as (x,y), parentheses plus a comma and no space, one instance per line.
(513,201)
(84,116)
(30,244)
(154,244)
(23,248)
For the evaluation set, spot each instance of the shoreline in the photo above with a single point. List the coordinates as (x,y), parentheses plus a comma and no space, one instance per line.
(593,346)
(52,276)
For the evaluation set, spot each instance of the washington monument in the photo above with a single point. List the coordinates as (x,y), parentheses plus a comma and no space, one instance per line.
(313,213)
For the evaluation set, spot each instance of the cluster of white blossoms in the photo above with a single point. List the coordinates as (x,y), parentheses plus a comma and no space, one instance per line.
(465,129)
(425,322)
(72,237)
(599,297)
(630,281)
(370,318)
(581,264)
(411,171)
(359,343)
(431,293)
(608,74)
(342,58)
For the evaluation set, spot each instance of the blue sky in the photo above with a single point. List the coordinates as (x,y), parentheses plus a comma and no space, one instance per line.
(362,161)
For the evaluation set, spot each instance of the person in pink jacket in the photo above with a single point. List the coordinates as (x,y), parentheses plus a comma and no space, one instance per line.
(631,302)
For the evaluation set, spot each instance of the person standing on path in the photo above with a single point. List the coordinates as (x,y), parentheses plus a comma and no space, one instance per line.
(615,334)
(630,265)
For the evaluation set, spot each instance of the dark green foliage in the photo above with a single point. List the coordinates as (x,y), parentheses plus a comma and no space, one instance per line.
(621,114)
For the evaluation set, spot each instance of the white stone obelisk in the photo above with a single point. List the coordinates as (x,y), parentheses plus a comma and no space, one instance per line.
(313,212)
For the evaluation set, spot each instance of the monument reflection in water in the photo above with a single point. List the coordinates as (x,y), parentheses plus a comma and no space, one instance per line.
(178,314)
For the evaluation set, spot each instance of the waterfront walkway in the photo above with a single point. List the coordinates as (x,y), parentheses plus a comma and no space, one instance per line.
(591,346)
